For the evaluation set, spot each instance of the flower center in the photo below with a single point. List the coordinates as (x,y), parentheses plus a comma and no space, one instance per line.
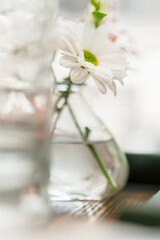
(90,57)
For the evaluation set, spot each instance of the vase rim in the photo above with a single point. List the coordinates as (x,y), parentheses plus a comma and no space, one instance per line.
(75,88)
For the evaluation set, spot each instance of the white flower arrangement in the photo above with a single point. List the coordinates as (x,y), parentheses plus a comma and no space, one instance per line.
(89,50)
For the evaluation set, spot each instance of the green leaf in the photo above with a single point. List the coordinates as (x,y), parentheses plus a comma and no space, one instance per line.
(98,16)
(67,79)
(87,133)
(96,4)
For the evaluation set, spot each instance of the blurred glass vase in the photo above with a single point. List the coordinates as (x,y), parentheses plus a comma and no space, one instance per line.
(87,163)
(26,51)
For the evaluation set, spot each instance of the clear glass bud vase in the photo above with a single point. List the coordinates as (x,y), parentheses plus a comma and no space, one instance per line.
(87,163)
(26,51)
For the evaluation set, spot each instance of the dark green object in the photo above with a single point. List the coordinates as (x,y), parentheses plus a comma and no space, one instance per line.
(148,215)
(96,4)
(98,16)
(144,168)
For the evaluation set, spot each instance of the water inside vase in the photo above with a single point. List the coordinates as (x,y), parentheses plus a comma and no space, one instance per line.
(76,175)
(24,155)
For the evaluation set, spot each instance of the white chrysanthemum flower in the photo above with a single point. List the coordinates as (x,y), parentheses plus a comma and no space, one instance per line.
(87,52)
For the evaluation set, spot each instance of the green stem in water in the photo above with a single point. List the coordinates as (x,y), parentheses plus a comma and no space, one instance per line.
(103,167)
(59,111)
(94,152)
(57,118)
(58,100)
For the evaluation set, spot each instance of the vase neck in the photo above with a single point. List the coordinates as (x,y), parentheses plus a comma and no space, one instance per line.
(74,88)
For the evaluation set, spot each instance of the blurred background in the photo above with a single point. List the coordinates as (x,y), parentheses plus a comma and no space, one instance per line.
(133,116)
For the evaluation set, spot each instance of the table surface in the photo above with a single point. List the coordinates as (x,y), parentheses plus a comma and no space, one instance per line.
(132,197)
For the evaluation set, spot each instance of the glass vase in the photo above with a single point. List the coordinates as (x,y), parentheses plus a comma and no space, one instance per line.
(87,163)
(26,52)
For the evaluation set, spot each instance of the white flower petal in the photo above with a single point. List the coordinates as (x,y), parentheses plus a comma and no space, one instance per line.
(103,77)
(82,62)
(88,34)
(102,73)
(79,75)
(68,44)
(101,86)
(68,61)
(119,72)
(113,88)
(98,41)
(113,58)
(120,80)
(75,43)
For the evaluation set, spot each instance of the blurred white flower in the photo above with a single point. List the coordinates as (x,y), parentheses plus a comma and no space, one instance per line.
(87,52)
(114,30)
